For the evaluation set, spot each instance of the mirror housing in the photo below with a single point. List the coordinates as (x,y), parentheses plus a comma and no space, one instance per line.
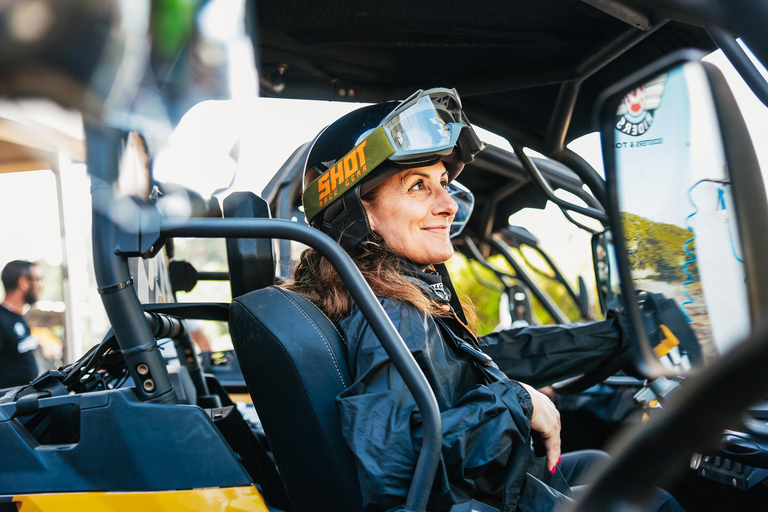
(744,180)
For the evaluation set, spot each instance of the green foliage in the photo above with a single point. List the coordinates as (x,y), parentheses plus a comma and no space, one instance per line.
(657,248)
(172,24)
(556,291)
(486,299)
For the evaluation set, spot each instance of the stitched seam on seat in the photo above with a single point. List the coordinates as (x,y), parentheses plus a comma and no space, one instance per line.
(325,342)
(334,327)
(343,340)
(306,397)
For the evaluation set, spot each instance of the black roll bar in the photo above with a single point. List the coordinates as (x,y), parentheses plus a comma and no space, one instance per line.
(558,277)
(135,338)
(382,326)
(520,274)
(741,62)
(589,211)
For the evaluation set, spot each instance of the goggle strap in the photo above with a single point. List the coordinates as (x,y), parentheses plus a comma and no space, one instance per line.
(347,172)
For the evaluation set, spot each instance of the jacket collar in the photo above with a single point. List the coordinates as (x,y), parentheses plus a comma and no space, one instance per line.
(429,281)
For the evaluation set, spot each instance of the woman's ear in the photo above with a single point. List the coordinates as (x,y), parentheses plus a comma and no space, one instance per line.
(367,207)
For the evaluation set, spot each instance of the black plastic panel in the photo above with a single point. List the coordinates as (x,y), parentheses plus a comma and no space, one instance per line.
(124,445)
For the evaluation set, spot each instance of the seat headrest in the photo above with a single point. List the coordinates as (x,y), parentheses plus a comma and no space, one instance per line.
(251,260)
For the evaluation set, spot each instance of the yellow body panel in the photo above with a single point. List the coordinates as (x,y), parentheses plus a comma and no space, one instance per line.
(669,342)
(230,499)
(241,397)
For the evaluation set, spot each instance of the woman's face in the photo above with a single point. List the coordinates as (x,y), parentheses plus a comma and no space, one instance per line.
(412,211)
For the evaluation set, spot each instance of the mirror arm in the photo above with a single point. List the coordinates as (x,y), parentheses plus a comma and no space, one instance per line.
(741,62)
(549,193)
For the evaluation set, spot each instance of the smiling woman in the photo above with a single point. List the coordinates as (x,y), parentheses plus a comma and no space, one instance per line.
(378,180)
(390,209)
(412,211)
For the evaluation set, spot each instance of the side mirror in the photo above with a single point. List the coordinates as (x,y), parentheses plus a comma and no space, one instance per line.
(689,213)
(606,271)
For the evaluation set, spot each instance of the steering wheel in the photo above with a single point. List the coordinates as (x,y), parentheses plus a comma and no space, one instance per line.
(710,400)
(583,382)
(666,327)
(619,360)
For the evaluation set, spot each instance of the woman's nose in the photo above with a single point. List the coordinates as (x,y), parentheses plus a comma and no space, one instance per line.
(445,204)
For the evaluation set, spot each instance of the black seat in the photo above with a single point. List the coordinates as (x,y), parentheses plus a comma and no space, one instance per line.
(294,364)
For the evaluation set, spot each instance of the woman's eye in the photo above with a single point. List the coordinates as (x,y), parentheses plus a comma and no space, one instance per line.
(419,185)
(444,183)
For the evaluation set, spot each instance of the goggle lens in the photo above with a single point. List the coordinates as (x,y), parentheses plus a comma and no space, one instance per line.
(418,127)
(465,200)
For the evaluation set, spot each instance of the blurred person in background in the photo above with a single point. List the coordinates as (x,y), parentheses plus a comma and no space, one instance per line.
(22,281)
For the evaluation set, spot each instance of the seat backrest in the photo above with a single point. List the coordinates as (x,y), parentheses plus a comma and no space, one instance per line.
(294,363)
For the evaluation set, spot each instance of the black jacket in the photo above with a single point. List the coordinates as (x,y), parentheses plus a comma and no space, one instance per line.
(545,354)
(481,421)
(383,428)
(17,345)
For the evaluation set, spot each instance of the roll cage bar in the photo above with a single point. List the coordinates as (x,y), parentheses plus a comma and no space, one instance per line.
(114,242)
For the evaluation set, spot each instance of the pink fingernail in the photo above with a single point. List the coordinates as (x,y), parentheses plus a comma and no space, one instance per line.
(553,469)
(558,460)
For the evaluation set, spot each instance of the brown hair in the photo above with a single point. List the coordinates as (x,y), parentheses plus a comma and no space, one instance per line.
(316,279)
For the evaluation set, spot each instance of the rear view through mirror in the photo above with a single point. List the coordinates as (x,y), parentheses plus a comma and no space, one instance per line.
(677,207)
(606,271)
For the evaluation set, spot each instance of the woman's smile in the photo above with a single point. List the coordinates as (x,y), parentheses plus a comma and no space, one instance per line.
(438,230)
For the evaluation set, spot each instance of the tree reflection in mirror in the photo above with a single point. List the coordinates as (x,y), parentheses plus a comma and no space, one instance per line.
(678,218)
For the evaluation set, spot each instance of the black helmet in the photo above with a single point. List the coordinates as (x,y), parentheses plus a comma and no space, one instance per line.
(367,146)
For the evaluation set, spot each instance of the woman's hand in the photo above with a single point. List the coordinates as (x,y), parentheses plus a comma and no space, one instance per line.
(546,421)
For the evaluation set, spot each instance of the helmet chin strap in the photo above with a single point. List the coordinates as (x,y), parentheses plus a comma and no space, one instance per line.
(351,226)
(441,269)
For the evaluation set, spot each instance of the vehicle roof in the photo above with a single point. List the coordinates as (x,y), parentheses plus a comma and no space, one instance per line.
(27,146)
(507,58)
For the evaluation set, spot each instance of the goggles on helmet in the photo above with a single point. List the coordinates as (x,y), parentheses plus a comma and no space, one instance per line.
(423,129)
